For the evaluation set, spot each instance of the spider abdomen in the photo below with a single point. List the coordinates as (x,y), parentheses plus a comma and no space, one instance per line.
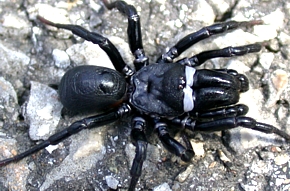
(91,88)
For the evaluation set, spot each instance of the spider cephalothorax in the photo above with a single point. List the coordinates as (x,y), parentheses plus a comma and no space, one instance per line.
(165,93)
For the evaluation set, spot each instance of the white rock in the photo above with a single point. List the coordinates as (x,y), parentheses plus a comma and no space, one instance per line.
(61,58)
(266,60)
(162,187)
(12,60)
(7,91)
(14,21)
(204,12)
(112,182)
(281,159)
(88,53)
(43,111)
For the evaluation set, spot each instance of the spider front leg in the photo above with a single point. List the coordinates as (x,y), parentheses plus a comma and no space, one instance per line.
(86,123)
(213,88)
(214,91)
(133,31)
(204,33)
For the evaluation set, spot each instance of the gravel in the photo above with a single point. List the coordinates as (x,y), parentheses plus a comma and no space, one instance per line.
(34,57)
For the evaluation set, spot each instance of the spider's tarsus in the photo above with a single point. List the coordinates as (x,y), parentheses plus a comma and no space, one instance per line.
(256,22)
(251,23)
(6,161)
(107,4)
(45,21)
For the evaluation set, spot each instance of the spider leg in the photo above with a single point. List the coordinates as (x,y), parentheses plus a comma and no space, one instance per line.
(230,111)
(216,88)
(240,121)
(95,38)
(172,145)
(140,141)
(225,78)
(244,82)
(86,123)
(188,120)
(200,58)
(204,33)
(133,31)
(224,119)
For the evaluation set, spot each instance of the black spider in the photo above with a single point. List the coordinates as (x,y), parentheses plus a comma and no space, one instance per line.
(165,93)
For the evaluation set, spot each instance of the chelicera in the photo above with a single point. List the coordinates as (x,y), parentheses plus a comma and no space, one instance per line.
(166,93)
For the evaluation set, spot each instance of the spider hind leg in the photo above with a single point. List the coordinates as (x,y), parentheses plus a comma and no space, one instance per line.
(95,38)
(86,123)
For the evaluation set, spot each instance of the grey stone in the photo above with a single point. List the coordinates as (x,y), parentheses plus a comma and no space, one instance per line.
(42,111)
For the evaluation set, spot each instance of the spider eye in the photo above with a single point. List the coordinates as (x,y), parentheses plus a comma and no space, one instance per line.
(182,83)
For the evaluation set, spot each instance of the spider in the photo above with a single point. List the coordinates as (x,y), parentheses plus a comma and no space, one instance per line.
(167,93)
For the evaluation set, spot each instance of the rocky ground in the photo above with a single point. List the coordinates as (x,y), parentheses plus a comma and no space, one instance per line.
(34,56)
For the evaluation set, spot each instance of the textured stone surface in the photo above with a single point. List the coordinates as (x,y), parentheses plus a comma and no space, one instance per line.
(100,159)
